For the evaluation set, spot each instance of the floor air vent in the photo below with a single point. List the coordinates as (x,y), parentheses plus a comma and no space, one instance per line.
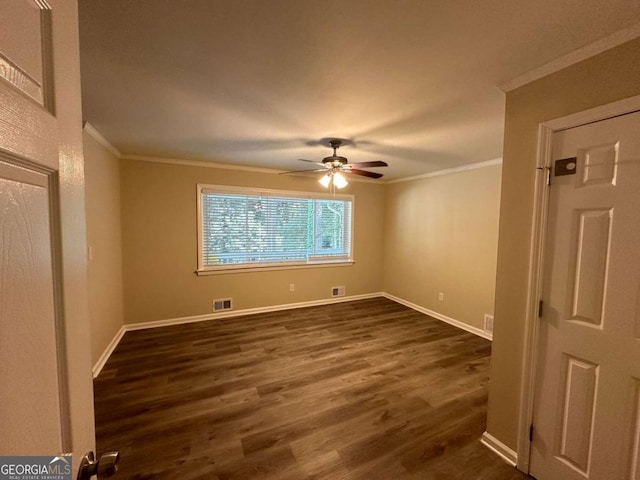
(222,304)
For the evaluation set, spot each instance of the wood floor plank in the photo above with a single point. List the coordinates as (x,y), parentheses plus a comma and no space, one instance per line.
(356,390)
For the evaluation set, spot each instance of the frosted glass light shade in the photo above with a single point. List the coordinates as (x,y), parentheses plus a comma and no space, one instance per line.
(339,181)
(325,181)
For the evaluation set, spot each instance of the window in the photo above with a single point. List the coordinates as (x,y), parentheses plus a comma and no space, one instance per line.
(249,228)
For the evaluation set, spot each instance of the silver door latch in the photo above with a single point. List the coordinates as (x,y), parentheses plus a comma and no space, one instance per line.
(103,468)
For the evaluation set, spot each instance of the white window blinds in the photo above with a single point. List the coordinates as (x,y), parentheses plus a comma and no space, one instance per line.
(254,228)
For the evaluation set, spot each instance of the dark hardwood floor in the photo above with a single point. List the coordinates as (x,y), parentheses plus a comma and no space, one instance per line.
(360,390)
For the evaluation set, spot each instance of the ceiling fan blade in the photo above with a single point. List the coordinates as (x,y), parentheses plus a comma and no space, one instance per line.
(376,163)
(364,173)
(303,171)
(311,161)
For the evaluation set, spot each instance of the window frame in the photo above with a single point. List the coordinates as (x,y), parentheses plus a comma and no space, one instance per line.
(203,269)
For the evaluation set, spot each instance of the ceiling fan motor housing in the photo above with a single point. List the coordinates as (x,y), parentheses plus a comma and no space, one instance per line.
(335,160)
(335,164)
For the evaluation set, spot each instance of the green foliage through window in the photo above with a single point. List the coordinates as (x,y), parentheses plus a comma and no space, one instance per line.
(240,229)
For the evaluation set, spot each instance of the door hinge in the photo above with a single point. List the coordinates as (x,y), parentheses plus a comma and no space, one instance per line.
(540,308)
(547,171)
(531,432)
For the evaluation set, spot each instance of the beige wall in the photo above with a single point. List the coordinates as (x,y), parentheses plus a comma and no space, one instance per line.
(605,78)
(160,242)
(102,203)
(441,236)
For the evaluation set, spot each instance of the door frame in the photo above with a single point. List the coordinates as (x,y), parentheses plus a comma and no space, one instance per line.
(536,257)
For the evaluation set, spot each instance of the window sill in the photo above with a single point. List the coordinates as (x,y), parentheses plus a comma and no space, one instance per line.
(223,271)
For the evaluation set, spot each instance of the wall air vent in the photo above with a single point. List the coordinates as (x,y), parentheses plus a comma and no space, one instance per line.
(222,304)
(337,291)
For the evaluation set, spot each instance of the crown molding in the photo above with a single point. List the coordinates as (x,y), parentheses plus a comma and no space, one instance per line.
(599,46)
(448,171)
(227,166)
(98,137)
(201,163)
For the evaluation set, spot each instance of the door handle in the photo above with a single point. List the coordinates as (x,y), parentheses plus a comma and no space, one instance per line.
(103,468)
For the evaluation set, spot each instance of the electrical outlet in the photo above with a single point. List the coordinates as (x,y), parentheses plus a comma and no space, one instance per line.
(292,287)
(441,296)
(337,291)
(222,304)
(488,322)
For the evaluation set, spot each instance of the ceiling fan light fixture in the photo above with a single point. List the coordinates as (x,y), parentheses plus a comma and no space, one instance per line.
(336,166)
(339,181)
(325,180)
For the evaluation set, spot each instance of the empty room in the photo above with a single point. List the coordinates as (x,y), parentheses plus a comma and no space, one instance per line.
(320,239)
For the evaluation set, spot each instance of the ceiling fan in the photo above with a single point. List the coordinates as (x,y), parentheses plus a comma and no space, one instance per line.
(335,165)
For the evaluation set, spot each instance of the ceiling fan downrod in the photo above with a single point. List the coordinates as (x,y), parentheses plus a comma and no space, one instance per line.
(335,159)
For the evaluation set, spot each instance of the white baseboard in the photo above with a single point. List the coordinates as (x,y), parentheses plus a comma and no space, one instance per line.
(499,448)
(97,368)
(248,311)
(99,365)
(439,316)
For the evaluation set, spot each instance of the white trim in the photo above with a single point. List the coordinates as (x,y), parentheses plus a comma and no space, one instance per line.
(248,311)
(448,171)
(572,58)
(311,261)
(201,163)
(99,365)
(499,448)
(98,137)
(451,321)
(274,171)
(130,327)
(255,269)
(229,166)
(90,129)
(534,291)
(248,190)
(621,107)
(536,259)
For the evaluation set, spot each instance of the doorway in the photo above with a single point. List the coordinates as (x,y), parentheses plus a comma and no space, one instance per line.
(584,343)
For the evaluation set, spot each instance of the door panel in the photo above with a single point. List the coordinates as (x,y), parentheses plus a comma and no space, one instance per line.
(586,396)
(599,165)
(27,82)
(45,380)
(22,57)
(590,265)
(577,411)
(30,397)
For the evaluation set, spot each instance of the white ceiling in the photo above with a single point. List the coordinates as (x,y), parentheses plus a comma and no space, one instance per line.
(259,83)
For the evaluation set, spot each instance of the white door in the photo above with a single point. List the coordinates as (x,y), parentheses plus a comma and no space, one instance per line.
(46,399)
(587,404)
